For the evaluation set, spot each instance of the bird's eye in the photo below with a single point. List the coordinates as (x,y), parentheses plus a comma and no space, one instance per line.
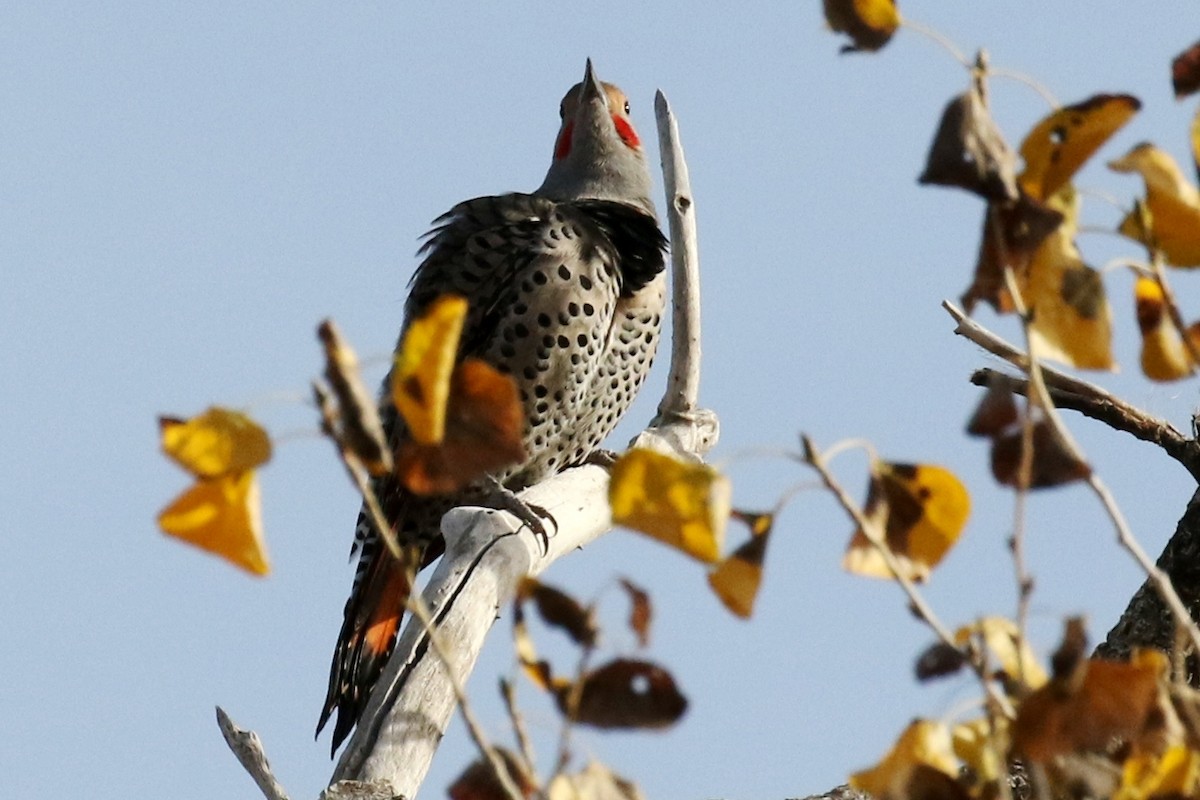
(627,108)
(562,110)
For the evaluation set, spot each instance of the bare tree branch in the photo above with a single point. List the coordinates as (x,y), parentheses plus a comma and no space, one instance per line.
(248,749)
(1079,395)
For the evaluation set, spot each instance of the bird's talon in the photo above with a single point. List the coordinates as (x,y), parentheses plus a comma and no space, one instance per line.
(602,458)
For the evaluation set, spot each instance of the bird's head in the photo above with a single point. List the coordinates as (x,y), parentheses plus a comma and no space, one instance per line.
(597,154)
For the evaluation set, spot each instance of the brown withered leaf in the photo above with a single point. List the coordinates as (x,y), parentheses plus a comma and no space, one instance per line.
(359,427)
(483,432)
(996,412)
(1185,72)
(1099,702)
(1012,233)
(869,23)
(558,609)
(938,660)
(625,693)
(479,782)
(641,611)
(1069,660)
(969,152)
(1053,462)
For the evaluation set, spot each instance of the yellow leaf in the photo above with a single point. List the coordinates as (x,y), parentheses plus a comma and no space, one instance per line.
(1173,204)
(975,743)
(922,507)
(869,23)
(424,363)
(1164,356)
(1175,773)
(1062,142)
(221,515)
(1071,320)
(1000,635)
(217,442)
(679,503)
(922,749)
(737,579)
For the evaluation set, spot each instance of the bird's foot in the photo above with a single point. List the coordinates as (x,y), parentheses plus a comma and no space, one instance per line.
(602,458)
(532,515)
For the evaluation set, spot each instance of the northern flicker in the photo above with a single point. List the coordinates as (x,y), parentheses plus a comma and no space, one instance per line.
(566,294)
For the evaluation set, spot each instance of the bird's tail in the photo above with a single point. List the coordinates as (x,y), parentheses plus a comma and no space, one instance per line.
(369,628)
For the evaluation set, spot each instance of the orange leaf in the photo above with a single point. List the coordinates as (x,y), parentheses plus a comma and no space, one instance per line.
(217,442)
(1173,204)
(1062,142)
(922,507)
(640,611)
(1112,700)
(737,579)
(680,503)
(424,364)
(625,693)
(1164,356)
(221,515)
(483,430)
(869,23)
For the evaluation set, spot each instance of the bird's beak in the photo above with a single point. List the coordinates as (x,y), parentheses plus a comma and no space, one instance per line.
(591,88)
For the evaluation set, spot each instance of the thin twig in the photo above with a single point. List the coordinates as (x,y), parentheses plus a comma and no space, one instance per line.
(1032,83)
(938,38)
(357,472)
(509,693)
(1036,398)
(920,606)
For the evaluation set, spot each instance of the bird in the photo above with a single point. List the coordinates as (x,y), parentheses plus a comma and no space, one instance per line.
(566,294)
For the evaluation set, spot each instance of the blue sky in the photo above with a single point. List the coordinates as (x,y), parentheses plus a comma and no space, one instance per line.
(186,192)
